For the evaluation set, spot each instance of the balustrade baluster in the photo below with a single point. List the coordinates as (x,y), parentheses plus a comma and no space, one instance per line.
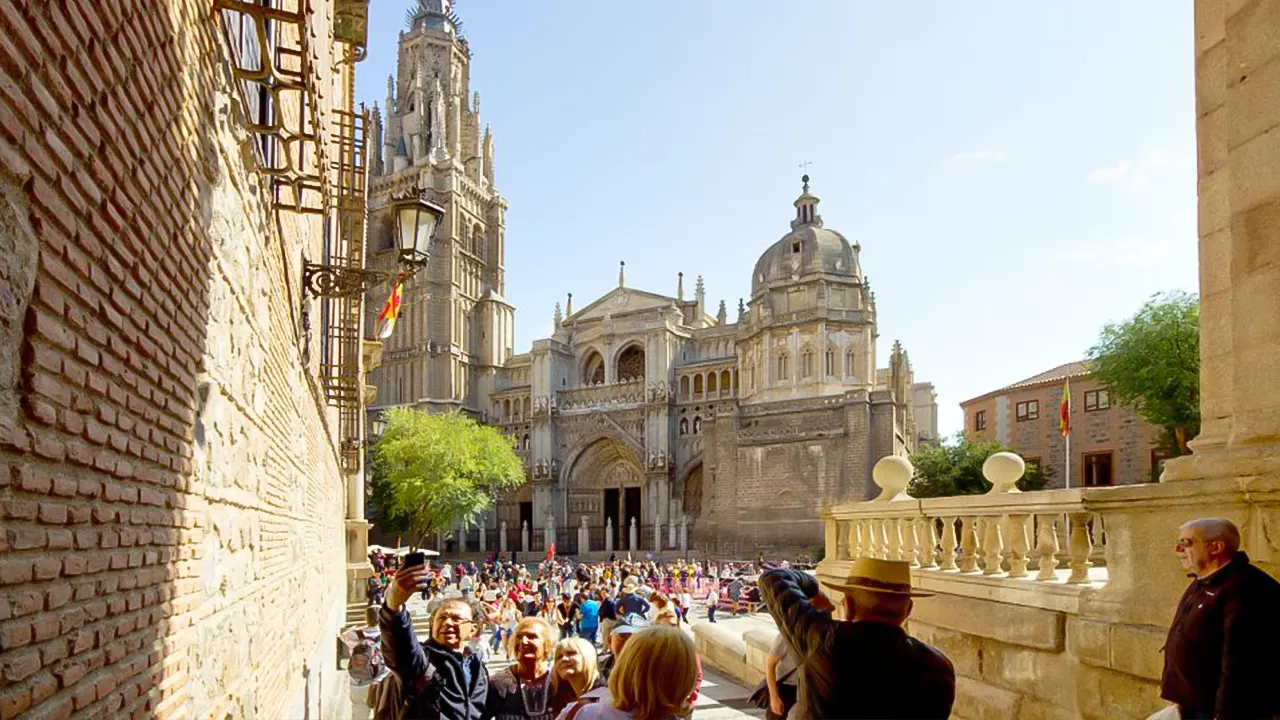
(842,540)
(882,540)
(1016,531)
(969,544)
(1047,548)
(1079,549)
(853,539)
(949,543)
(893,527)
(929,538)
(869,540)
(910,545)
(992,545)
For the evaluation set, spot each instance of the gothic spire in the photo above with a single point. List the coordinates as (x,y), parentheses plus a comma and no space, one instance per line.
(722,316)
(557,318)
(568,308)
(622,273)
(680,287)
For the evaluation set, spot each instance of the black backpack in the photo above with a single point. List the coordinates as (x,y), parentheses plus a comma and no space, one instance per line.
(390,702)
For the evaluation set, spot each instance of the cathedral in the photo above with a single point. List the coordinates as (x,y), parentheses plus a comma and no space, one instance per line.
(646,422)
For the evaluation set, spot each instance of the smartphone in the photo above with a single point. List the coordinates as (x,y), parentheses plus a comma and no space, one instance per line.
(415,559)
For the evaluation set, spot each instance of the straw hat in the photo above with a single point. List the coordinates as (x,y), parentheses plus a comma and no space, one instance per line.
(885,576)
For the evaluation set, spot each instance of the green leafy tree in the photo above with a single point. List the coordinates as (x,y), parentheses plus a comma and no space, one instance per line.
(954,467)
(1151,363)
(382,498)
(434,470)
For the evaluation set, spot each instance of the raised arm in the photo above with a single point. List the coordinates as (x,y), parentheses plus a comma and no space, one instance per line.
(789,596)
(400,646)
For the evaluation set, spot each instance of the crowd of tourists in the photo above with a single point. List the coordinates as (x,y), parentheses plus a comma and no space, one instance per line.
(582,639)
(605,640)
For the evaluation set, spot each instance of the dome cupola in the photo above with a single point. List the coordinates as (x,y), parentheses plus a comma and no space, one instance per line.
(807,251)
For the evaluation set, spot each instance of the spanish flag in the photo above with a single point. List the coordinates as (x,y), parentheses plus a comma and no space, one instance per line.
(1064,410)
(390,311)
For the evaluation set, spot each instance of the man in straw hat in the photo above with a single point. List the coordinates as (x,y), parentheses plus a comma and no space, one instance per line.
(867,666)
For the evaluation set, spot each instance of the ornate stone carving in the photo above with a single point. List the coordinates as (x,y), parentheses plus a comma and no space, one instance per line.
(612,395)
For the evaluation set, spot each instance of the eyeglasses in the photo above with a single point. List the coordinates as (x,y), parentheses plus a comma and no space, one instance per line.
(453,620)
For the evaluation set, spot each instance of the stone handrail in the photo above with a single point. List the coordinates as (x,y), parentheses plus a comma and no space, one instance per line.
(1005,533)
(626,392)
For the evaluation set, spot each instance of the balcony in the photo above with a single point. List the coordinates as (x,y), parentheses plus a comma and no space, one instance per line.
(612,396)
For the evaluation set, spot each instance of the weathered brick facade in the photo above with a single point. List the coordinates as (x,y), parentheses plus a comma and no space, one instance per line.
(1114,431)
(170,489)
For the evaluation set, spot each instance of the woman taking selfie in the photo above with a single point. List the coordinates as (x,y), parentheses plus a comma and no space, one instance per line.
(523,689)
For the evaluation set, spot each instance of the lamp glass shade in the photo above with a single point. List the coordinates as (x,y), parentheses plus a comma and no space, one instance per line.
(416,221)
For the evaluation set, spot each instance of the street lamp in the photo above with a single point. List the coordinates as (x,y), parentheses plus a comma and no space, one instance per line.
(416,220)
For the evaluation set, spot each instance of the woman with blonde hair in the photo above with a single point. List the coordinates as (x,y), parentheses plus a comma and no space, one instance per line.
(654,680)
(575,671)
(522,690)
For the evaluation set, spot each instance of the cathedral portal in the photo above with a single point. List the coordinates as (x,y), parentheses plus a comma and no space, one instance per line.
(606,485)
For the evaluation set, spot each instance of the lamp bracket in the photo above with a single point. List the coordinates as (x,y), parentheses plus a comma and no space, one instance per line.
(339,282)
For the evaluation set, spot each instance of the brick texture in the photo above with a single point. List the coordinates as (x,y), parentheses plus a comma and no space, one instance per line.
(170,495)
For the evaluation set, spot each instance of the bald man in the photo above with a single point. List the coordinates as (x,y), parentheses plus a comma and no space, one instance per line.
(1222,655)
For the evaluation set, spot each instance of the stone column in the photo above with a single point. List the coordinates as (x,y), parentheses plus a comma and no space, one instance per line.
(584,537)
(671,532)
(608,535)
(440,542)
(524,536)
(684,533)
(632,535)
(549,534)
(657,532)
(484,530)
(1239,194)
(502,537)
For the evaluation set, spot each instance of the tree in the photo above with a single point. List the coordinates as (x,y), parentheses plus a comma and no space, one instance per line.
(1151,363)
(954,467)
(434,470)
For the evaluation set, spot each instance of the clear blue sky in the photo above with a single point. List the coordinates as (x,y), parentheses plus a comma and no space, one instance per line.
(1018,174)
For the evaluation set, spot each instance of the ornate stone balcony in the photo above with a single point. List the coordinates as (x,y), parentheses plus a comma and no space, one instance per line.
(612,395)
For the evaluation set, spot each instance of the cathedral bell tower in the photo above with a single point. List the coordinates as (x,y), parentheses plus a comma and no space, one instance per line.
(456,328)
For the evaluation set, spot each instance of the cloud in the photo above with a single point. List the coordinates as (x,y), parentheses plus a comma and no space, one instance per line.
(975,157)
(1110,174)
(1124,252)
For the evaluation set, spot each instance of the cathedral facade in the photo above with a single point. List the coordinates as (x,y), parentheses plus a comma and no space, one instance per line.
(723,436)
(646,421)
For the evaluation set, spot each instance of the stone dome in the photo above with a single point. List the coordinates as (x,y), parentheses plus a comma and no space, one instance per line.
(809,249)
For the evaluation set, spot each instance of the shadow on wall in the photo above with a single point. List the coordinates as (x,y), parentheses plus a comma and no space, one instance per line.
(116,127)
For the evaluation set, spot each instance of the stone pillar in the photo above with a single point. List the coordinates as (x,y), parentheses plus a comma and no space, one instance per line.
(1239,194)
(657,532)
(632,535)
(484,530)
(684,533)
(671,532)
(524,536)
(608,535)
(440,541)
(549,534)
(584,538)
(502,537)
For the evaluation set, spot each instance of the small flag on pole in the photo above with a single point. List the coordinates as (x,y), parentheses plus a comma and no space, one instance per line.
(1064,410)
(390,311)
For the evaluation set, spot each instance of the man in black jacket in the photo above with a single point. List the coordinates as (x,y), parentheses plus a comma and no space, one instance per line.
(441,678)
(865,668)
(1220,656)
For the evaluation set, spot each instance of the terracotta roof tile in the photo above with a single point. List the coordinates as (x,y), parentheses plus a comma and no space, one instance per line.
(1079,368)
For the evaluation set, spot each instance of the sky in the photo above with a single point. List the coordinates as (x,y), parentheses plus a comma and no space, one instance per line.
(1017,174)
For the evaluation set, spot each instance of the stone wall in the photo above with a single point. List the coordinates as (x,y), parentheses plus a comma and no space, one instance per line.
(171,496)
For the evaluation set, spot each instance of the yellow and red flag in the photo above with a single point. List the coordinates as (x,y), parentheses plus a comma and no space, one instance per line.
(390,311)
(1064,410)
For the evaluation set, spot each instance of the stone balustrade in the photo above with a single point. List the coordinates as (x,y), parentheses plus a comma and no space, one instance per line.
(1005,533)
(1053,603)
(627,392)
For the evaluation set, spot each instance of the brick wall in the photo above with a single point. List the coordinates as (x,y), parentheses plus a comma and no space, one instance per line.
(171,501)
(1117,430)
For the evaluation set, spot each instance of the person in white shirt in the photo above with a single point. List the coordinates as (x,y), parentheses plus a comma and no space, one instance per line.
(686,603)
(713,599)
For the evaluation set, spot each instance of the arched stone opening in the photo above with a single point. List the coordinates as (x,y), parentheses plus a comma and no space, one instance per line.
(630,363)
(688,493)
(606,481)
(593,369)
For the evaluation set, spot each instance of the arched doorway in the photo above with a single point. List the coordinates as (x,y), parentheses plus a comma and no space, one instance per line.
(631,363)
(606,483)
(593,369)
(692,496)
